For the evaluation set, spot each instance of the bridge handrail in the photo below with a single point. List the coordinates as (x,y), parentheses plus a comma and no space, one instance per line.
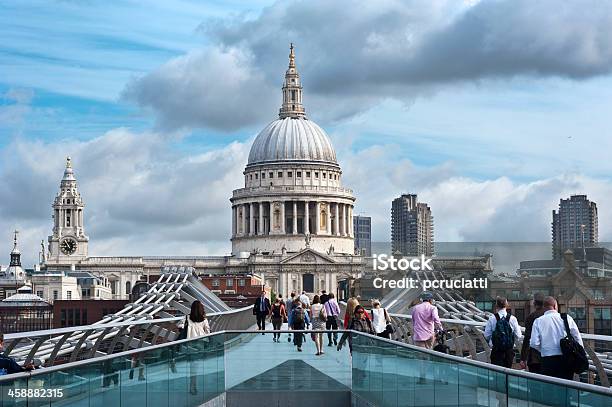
(514,372)
(478,324)
(144,321)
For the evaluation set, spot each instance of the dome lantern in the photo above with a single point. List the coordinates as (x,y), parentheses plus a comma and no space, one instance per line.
(292,91)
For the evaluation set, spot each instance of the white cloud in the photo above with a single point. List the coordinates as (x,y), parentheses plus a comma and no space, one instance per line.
(141,195)
(466,209)
(144,197)
(399,50)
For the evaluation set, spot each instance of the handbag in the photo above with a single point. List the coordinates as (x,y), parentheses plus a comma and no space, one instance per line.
(322,314)
(389,329)
(573,353)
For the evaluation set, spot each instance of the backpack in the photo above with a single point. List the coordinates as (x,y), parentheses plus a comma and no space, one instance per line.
(276,311)
(503,335)
(183,332)
(298,316)
(573,353)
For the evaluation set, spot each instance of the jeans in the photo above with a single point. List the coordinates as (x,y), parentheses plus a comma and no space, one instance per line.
(298,338)
(332,323)
(277,323)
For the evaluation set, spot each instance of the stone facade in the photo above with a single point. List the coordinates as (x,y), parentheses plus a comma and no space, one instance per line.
(292,222)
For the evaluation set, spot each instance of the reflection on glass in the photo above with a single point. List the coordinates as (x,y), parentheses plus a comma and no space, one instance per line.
(247,365)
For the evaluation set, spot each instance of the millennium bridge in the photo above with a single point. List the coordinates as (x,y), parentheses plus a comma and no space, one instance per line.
(133,358)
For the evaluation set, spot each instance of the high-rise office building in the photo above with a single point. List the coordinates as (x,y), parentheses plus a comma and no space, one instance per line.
(362,228)
(412,227)
(574,225)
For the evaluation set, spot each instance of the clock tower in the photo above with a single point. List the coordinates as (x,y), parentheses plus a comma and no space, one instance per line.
(68,243)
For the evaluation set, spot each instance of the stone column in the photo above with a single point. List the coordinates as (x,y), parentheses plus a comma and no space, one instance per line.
(243,220)
(317,218)
(306,218)
(350,220)
(233,221)
(344,220)
(251,219)
(261,230)
(295,217)
(329,227)
(283,220)
(337,221)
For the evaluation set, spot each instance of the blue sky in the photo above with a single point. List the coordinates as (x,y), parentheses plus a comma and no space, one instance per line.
(445,99)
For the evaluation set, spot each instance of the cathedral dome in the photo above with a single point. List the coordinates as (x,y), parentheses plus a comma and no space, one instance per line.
(292,139)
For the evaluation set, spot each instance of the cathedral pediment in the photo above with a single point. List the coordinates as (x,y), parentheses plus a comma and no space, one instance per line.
(308,256)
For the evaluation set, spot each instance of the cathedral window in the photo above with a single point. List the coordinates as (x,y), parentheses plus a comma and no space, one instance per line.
(271,175)
(316,174)
(324,175)
(256,175)
(263,175)
(280,174)
(289,174)
(298,174)
(307,174)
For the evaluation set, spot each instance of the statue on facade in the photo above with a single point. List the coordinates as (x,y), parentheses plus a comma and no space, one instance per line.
(283,250)
(331,249)
(307,239)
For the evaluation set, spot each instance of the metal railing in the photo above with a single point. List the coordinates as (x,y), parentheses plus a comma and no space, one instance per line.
(467,339)
(381,370)
(89,341)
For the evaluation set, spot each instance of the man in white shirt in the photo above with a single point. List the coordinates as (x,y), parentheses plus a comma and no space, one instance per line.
(546,334)
(305,300)
(502,341)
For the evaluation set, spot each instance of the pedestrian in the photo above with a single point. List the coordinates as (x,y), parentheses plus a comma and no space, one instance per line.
(277,316)
(380,320)
(305,299)
(8,365)
(359,323)
(324,296)
(425,322)
(197,326)
(530,357)
(288,309)
(261,309)
(501,331)
(318,318)
(351,304)
(299,321)
(332,311)
(546,335)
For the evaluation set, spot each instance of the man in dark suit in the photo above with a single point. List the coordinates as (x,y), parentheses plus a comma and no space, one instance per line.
(530,357)
(324,297)
(261,309)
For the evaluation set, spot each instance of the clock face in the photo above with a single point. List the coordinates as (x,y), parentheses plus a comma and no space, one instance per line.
(68,246)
